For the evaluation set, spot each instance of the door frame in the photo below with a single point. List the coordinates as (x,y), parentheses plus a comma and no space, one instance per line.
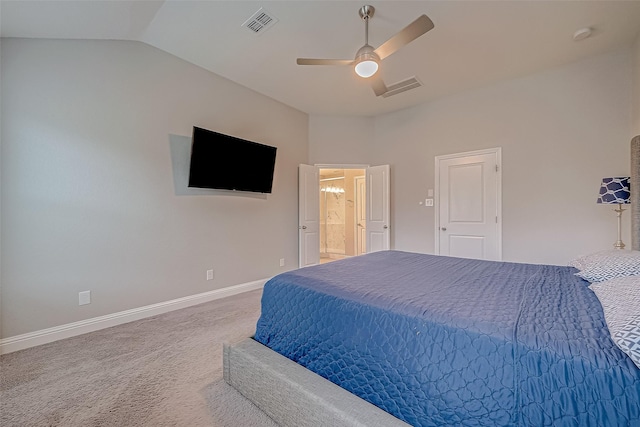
(317,167)
(358,201)
(343,166)
(498,153)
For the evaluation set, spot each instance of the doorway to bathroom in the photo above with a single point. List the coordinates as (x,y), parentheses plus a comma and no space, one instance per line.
(342,215)
(354,217)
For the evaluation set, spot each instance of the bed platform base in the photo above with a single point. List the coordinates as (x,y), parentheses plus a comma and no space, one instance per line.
(294,396)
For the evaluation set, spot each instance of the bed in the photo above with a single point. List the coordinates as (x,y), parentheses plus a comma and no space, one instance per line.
(438,341)
(521,345)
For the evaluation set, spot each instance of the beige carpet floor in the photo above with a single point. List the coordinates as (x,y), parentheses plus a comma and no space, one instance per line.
(161,371)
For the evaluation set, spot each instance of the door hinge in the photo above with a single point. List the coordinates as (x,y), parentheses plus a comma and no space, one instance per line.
(496,168)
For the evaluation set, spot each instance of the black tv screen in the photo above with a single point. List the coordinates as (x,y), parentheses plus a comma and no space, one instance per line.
(225,162)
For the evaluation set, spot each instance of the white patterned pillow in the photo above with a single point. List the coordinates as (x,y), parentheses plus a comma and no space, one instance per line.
(606,265)
(628,339)
(620,300)
(582,261)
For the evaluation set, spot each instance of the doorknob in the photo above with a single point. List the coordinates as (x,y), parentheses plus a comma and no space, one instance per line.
(304,227)
(385,227)
(443,228)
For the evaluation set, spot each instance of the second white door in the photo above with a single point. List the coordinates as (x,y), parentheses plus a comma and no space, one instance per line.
(468,218)
(377,208)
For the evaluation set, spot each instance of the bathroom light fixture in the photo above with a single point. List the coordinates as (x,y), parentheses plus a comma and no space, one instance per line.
(332,190)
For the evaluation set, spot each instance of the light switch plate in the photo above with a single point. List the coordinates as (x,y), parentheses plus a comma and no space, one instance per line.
(428,202)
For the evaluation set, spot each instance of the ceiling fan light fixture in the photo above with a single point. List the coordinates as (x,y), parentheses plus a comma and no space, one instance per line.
(366,62)
(366,68)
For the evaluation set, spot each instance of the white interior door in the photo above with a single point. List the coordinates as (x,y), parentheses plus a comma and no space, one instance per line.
(361,217)
(378,211)
(308,216)
(468,222)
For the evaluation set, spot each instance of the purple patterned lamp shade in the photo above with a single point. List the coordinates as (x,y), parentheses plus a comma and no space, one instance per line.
(614,191)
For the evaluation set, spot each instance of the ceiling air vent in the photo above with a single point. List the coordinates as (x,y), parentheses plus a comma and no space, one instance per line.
(260,21)
(403,86)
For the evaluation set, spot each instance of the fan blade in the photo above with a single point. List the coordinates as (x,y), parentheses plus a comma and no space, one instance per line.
(406,36)
(379,88)
(310,61)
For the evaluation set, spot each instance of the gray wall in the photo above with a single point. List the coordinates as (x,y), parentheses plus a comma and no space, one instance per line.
(95,145)
(340,140)
(1,240)
(560,131)
(93,157)
(636,87)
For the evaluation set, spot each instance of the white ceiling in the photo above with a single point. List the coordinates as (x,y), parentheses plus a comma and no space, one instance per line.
(474,43)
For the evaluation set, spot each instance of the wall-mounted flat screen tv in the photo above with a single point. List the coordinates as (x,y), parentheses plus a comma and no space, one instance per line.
(225,162)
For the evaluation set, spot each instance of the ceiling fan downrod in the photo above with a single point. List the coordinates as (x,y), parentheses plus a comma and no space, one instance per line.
(366,59)
(366,12)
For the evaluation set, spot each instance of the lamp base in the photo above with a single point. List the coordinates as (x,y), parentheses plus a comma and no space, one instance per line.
(618,244)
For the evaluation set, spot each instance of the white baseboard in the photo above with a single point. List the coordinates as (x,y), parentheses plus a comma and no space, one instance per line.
(44,336)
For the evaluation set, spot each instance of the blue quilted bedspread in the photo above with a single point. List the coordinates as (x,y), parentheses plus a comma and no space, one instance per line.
(440,341)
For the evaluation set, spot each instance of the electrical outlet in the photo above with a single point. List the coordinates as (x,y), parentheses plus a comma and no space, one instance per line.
(209,274)
(428,202)
(84,297)
(281,262)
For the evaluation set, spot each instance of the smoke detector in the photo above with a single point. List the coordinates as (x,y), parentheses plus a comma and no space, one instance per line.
(582,34)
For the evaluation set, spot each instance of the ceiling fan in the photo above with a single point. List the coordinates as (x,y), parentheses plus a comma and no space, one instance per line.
(367,58)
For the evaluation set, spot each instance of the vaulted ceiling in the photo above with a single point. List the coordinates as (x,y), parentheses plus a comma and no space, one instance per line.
(474,43)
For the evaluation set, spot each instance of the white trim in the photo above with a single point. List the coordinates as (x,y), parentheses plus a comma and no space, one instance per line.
(498,152)
(44,336)
(341,166)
